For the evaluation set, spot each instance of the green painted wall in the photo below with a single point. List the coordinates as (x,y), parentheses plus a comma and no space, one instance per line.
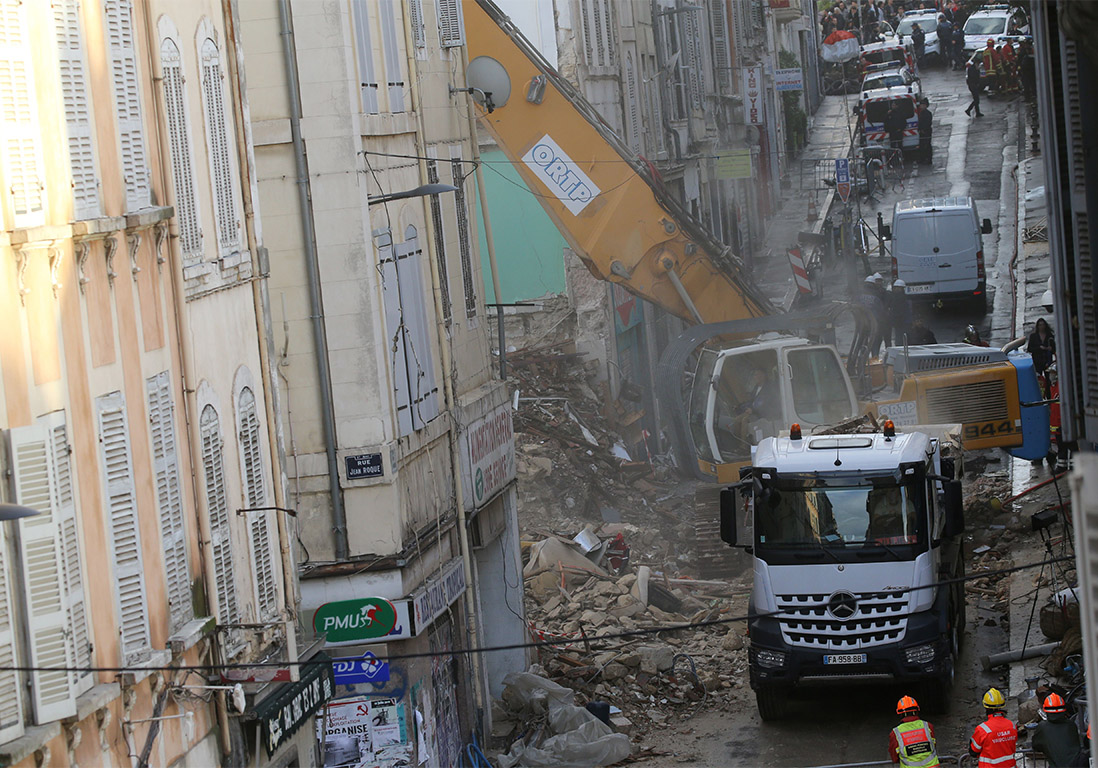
(529,249)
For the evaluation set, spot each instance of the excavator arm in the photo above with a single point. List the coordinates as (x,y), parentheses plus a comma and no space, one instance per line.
(607,202)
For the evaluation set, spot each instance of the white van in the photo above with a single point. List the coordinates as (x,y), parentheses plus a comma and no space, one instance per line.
(938,249)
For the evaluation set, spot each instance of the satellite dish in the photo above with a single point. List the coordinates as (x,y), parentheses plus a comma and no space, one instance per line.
(487,76)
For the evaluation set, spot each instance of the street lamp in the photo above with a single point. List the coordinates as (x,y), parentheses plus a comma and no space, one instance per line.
(15,512)
(421,191)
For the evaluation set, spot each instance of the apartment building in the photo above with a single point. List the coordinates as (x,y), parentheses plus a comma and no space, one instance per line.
(137,409)
(400,454)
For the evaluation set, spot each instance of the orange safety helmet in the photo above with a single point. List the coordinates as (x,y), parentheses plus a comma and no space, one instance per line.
(1054,703)
(907,706)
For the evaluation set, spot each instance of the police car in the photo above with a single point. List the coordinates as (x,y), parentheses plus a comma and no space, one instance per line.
(994,22)
(893,76)
(928,23)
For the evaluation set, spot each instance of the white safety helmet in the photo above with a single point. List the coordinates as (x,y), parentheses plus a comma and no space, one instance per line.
(898,283)
(870,279)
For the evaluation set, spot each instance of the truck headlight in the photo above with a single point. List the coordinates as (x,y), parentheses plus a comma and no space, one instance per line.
(920,654)
(771,659)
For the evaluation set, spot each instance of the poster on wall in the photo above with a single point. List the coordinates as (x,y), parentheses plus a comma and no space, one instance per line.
(364,732)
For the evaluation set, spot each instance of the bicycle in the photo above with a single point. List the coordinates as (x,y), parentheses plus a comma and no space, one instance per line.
(893,172)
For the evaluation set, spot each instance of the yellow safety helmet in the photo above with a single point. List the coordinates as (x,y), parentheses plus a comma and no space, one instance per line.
(993,699)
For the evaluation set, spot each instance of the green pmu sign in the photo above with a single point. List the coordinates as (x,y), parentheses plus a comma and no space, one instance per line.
(367,618)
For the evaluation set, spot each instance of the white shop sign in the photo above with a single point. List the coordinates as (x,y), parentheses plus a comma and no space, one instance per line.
(440,592)
(487,456)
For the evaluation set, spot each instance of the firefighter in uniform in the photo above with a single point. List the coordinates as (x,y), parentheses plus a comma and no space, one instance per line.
(994,739)
(911,743)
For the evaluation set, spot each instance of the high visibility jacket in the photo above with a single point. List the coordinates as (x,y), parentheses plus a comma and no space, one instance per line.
(915,744)
(993,741)
(990,60)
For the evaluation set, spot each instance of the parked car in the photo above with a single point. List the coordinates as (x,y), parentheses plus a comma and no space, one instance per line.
(994,22)
(887,54)
(891,76)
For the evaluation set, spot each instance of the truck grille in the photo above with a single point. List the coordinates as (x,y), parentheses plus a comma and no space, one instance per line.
(879,619)
(966,403)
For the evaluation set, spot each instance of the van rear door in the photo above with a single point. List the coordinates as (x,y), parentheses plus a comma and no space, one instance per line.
(957,241)
(913,247)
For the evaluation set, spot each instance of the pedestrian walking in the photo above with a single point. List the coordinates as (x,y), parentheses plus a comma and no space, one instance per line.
(912,743)
(899,312)
(945,39)
(1041,346)
(918,39)
(994,740)
(975,85)
(1056,737)
(926,128)
(958,46)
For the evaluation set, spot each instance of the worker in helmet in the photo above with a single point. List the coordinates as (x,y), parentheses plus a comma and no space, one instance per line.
(972,336)
(994,739)
(911,743)
(1056,737)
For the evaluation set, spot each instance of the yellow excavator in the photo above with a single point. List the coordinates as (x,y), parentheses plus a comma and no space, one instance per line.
(744,371)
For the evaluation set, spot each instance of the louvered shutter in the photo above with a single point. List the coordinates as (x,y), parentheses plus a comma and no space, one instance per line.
(49,640)
(249,439)
(461,209)
(632,104)
(74,91)
(22,154)
(440,242)
(691,32)
(68,526)
(218,143)
(415,13)
(114,443)
(173,535)
(364,55)
(395,330)
(413,298)
(722,49)
(11,699)
(127,102)
(451,24)
(392,56)
(179,139)
(217,507)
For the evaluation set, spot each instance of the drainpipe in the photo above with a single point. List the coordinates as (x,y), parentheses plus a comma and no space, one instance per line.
(472,615)
(312,266)
(186,360)
(265,334)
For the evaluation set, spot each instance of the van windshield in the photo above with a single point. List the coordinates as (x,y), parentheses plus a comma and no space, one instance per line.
(875,111)
(927,24)
(884,55)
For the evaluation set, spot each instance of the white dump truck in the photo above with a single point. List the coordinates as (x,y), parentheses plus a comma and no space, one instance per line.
(852,536)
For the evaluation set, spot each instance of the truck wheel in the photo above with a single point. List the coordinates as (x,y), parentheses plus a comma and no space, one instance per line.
(939,692)
(772,703)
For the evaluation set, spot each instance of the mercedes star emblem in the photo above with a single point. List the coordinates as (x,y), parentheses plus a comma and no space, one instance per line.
(842,605)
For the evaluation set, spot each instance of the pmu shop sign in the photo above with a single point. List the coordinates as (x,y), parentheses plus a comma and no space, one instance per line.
(430,600)
(555,169)
(282,713)
(753,95)
(362,620)
(487,456)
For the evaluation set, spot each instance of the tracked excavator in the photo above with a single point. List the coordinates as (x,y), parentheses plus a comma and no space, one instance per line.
(745,370)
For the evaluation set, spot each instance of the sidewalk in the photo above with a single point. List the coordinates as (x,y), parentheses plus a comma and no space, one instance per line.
(1032,269)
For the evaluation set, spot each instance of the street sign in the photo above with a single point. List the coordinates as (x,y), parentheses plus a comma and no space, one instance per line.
(367,668)
(842,178)
(753,95)
(349,621)
(791,79)
(364,465)
(734,164)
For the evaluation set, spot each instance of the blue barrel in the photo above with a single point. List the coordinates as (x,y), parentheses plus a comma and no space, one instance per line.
(1035,425)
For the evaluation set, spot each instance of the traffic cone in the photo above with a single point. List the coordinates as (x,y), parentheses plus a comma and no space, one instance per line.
(812,214)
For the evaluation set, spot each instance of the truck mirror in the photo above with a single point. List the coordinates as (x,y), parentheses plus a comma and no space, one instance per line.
(985,227)
(886,232)
(728,516)
(954,509)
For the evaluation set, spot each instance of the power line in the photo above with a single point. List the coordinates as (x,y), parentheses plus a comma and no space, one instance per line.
(595,643)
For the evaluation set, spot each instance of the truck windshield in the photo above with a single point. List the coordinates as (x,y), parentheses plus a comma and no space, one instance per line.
(862,516)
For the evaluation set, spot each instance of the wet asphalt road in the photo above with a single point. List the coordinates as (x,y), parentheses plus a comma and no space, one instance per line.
(848,725)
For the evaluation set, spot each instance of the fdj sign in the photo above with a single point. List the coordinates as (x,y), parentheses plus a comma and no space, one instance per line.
(563,177)
(349,620)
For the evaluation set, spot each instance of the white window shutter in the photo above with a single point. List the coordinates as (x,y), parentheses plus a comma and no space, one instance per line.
(220,149)
(461,208)
(691,31)
(415,13)
(11,698)
(173,534)
(440,242)
(179,139)
(114,443)
(364,55)
(249,440)
(127,103)
(393,56)
(71,548)
(217,507)
(451,23)
(49,640)
(395,330)
(722,50)
(74,91)
(413,298)
(632,104)
(21,150)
